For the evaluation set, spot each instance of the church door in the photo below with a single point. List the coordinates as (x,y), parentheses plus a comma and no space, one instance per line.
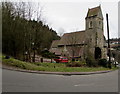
(97,53)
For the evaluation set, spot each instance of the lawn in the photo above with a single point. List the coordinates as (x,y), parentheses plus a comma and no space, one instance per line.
(53,67)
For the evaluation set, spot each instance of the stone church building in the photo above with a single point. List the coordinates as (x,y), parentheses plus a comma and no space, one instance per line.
(81,44)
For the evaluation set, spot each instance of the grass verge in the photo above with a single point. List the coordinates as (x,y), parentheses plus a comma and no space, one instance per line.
(53,67)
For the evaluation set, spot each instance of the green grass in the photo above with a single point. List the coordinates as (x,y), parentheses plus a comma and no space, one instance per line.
(53,67)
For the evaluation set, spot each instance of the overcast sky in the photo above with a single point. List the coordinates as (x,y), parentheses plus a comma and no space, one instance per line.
(69,16)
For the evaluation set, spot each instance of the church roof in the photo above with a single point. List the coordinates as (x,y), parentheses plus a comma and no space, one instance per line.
(93,11)
(55,43)
(73,38)
(56,51)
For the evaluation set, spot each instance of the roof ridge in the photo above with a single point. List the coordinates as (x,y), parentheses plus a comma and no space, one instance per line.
(94,7)
(55,40)
(75,32)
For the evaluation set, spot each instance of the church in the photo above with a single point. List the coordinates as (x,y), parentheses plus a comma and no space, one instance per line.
(81,44)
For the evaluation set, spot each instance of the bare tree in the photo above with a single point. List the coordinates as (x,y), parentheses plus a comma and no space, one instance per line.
(38,13)
(30,14)
(21,28)
(72,40)
(30,10)
(21,10)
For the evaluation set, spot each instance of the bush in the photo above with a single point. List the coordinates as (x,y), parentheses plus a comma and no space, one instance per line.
(103,62)
(76,64)
(47,54)
(7,57)
(91,62)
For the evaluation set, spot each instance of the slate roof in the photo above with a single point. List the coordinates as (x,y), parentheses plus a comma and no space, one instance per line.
(57,51)
(93,11)
(55,43)
(73,38)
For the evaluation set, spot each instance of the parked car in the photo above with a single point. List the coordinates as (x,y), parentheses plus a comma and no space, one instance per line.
(61,60)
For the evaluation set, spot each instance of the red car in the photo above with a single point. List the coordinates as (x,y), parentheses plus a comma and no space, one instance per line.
(61,59)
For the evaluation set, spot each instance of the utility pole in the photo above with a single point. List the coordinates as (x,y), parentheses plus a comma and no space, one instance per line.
(109,53)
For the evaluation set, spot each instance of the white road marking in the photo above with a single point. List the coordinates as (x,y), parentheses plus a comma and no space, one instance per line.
(84,84)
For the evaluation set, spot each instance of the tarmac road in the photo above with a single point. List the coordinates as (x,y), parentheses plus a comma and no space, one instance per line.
(14,81)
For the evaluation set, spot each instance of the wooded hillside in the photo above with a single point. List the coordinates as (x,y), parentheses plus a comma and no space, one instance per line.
(21,34)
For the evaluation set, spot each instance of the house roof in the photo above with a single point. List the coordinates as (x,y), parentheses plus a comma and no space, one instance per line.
(56,51)
(55,43)
(73,38)
(93,11)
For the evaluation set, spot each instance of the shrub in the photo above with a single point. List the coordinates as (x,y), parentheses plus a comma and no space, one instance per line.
(76,64)
(91,62)
(7,57)
(47,54)
(103,62)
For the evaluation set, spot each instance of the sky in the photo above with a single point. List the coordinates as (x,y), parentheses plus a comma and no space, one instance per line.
(65,16)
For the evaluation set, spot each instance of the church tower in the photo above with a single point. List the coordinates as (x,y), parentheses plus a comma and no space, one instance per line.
(94,33)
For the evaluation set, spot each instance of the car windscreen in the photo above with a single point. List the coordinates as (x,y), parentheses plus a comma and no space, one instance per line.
(63,58)
(57,57)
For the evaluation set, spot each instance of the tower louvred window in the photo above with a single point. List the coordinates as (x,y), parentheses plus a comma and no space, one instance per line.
(90,24)
(99,22)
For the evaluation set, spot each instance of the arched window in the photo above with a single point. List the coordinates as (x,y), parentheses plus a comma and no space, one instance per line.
(90,24)
(98,53)
(99,23)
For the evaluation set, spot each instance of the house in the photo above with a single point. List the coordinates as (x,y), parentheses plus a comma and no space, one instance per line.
(81,44)
(114,43)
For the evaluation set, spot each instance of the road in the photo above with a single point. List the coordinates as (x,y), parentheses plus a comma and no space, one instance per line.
(14,81)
